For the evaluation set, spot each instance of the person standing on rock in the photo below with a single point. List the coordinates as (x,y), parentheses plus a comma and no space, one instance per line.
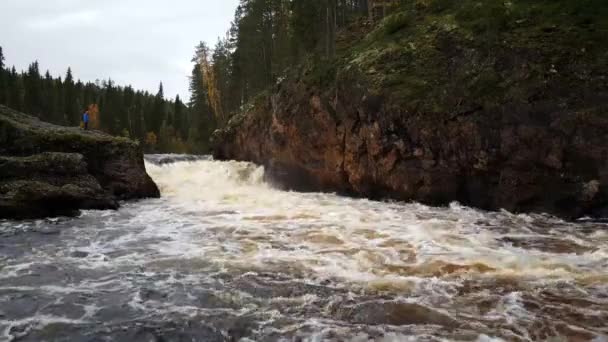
(85,119)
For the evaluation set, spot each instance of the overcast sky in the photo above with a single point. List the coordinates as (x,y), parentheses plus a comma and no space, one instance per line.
(137,42)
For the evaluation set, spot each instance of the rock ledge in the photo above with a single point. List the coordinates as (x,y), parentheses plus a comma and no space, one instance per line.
(48,170)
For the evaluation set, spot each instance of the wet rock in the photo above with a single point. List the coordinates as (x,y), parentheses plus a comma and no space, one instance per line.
(181,331)
(79,254)
(590,190)
(240,327)
(48,230)
(49,184)
(394,313)
(162,159)
(549,244)
(67,310)
(60,332)
(116,313)
(18,331)
(149,294)
(47,170)
(344,157)
(261,288)
(192,331)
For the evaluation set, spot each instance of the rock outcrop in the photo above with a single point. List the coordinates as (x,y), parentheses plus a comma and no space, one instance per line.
(429,108)
(47,170)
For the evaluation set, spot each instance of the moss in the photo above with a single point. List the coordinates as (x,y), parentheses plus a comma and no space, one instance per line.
(446,56)
(320,72)
(434,52)
(45,160)
(52,170)
(394,23)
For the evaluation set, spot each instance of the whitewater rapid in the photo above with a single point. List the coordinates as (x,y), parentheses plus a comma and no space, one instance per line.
(225,256)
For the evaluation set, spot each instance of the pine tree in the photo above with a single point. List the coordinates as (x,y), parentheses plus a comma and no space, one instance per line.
(17,91)
(276,34)
(114,109)
(201,122)
(127,109)
(49,98)
(108,104)
(33,91)
(198,94)
(135,117)
(71,110)
(222,68)
(161,92)
(3,80)
(179,120)
(1,59)
(158,114)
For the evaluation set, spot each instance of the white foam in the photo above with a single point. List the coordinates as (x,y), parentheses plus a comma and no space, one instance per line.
(222,217)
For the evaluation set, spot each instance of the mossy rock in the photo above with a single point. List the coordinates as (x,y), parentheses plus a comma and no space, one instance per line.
(72,168)
(495,104)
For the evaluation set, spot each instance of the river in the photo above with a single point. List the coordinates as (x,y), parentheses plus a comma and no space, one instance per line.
(224,256)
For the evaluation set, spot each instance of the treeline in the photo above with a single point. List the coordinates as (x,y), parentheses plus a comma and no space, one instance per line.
(265,39)
(160,125)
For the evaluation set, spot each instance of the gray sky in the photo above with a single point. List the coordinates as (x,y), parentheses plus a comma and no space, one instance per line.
(137,42)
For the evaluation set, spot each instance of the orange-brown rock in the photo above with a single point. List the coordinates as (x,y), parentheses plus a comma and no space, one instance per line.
(354,143)
(433,107)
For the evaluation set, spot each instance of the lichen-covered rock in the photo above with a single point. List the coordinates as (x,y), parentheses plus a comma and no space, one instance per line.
(505,108)
(49,184)
(48,170)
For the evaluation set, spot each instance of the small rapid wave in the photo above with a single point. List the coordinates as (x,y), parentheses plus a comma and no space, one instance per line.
(163,159)
(225,256)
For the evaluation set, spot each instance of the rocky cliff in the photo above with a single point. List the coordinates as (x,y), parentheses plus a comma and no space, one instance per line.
(492,104)
(47,170)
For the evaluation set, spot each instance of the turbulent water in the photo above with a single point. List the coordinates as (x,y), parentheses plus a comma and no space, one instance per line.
(225,257)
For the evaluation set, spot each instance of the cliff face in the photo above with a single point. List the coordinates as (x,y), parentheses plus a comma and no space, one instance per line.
(47,170)
(438,104)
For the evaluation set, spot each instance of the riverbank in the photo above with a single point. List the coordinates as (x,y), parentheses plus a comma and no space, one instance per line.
(494,105)
(48,170)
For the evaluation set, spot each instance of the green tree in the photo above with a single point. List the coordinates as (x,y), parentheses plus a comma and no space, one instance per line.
(33,91)
(276,34)
(222,69)
(49,99)
(159,112)
(118,110)
(71,108)
(3,80)
(179,118)
(201,121)
(17,91)
(1,59)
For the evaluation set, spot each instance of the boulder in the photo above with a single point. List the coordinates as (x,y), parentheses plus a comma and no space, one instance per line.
(48,170)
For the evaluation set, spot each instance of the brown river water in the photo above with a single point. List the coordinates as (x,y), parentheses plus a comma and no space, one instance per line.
(224,256)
